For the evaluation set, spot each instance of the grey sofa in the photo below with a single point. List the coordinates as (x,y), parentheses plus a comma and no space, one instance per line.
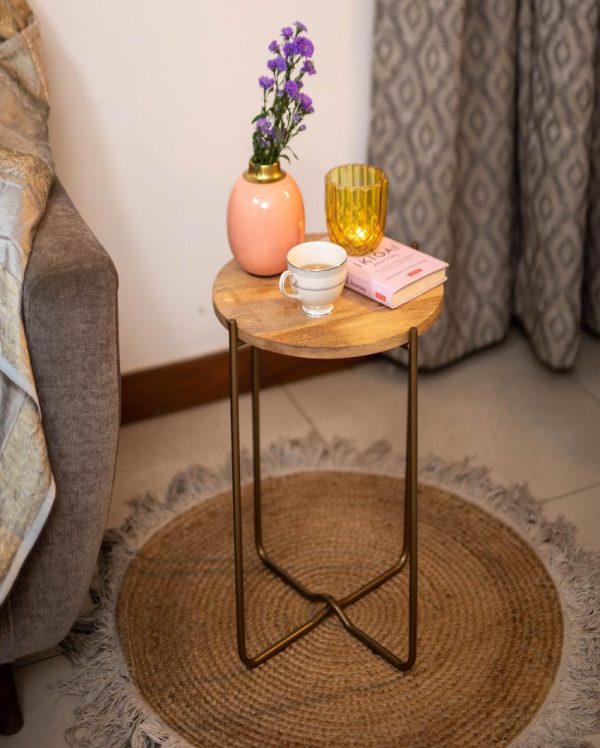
(70,311)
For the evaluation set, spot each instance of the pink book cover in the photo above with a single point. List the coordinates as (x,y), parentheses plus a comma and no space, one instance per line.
(390,268)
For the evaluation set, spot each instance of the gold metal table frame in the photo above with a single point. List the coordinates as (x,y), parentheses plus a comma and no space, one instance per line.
(331,605)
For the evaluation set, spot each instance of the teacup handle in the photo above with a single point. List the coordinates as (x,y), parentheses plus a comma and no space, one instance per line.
(282,279)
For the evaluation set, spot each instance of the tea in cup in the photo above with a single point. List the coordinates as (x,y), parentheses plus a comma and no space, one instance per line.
(317,273)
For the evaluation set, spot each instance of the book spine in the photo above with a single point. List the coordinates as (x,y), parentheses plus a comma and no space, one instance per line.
(369,288)
(362,285)
(382,294)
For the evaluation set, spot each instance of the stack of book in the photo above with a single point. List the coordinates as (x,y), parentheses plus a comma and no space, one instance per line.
(393,273)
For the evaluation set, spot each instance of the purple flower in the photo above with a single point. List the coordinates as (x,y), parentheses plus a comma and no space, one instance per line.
(306,103)
(277,63)
(291,88)
(308,67)
(284,105)
(304,46)
(265,82)
(263,124)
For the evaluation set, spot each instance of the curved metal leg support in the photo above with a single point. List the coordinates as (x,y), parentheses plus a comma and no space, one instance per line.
(332,605)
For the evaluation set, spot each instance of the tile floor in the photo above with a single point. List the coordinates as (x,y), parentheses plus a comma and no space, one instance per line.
(501,407)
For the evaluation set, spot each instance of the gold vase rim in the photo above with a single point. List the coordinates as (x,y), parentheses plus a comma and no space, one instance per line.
(264,173)
(380,172)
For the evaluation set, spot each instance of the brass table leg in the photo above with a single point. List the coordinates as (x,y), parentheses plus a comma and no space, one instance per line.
(332,605)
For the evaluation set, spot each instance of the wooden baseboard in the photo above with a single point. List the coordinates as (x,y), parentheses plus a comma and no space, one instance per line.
(165,389)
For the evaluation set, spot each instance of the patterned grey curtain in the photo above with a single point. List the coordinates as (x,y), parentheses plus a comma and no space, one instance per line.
(486,119)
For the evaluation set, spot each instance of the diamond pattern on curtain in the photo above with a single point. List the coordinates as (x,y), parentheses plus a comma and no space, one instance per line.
(482,118)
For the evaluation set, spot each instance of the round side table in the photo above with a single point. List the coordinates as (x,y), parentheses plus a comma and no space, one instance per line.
(255,313)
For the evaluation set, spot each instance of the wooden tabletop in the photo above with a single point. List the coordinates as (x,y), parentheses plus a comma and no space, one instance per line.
(357,327)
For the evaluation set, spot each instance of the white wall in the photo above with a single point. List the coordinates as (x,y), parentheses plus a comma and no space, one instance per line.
(150,128)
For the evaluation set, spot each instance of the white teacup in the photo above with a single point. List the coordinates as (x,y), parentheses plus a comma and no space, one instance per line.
(317,272)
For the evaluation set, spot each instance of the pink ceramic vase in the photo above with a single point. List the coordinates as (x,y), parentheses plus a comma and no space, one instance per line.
(265,219)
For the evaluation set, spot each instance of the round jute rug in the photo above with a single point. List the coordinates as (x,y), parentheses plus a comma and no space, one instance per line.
(491,661)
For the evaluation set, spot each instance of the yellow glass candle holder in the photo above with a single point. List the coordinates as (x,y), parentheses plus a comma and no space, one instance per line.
(356,205)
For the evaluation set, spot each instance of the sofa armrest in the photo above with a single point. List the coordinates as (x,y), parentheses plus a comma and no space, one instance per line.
(70,314)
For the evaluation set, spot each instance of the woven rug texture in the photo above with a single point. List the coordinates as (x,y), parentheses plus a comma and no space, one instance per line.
(501,660)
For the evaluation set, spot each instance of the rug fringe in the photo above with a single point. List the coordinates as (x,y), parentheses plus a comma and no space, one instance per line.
(114,713)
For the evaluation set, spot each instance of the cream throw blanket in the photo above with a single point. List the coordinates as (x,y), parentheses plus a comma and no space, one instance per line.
(26,173)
